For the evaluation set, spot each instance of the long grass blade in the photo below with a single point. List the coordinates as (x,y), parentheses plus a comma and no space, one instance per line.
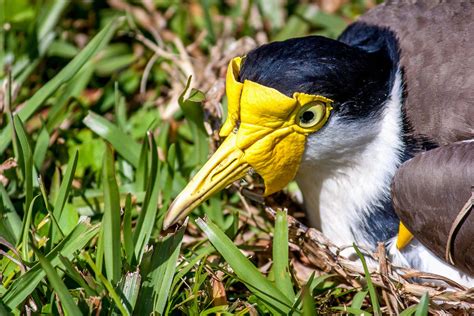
(309,309)
(423,305)
(358,299)
(10,217)
(41,147)
(245,270)
(372,291)
(111,219)
(159,277)
(131,286)
(281,270)
(146,220)
(67,302)
(64,191)
(25,231)
(127,229)
(27,159)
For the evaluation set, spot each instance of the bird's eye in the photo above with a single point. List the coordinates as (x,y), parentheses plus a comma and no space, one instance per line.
(311,114)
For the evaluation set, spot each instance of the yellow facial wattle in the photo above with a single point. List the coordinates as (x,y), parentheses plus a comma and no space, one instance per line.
(265,130)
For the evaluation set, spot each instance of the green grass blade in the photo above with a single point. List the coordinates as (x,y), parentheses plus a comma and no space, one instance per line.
(51,18)
(422,307)
(58,112)
(54,221)
(157,280)
(130,287)
(352,310)
(26,284)
(64,191)
(281,270)
(9,216)
(312,284)
(245,270)
(358,299)
(67,302)
(111,219)
(25,231)
(5,230)
(27,159)
(372,291)
(309,309)
(37,100)
(146,220)
(409,311)
(141,175)
(127,229)
(123,143)
(41,147)
(3,309)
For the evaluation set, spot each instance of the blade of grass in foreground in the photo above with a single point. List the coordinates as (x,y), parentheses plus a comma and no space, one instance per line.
(27,159)
(10,218)
(358,299)
(373,293)
(111,219)
(146,220)
(127,229)
(157,280)
(308,302)
(280,256)
(123,143)
(25,231)
(422,308)
(64,191)
(58,285)
(27,283)
(35,102)
(352,310)
(274,299)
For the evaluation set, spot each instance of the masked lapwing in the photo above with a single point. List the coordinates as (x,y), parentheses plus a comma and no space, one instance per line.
(376,127)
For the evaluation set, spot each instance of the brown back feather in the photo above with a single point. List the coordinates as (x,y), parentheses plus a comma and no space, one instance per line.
(437,56)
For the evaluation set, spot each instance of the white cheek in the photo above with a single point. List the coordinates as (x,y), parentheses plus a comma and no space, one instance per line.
(338,141)
(347,169)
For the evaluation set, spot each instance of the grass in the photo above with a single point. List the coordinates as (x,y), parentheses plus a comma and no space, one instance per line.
(103,121)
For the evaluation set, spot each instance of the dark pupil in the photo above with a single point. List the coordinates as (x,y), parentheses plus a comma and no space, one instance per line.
(307,116)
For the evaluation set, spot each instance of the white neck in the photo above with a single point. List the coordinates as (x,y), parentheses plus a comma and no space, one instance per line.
(347,170)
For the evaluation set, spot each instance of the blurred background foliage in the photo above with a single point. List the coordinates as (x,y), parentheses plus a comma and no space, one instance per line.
(107,108)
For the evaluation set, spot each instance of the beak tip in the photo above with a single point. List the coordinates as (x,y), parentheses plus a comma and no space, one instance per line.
(168,221)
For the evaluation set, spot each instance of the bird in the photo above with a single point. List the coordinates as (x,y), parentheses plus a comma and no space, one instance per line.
(376,127)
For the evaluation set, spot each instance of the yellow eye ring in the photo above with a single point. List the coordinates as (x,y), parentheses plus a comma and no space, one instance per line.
(311,114)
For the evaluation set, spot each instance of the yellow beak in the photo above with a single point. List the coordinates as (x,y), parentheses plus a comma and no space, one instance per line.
(225,166)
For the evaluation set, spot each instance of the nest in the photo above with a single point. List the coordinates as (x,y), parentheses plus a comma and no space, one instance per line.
(400,287)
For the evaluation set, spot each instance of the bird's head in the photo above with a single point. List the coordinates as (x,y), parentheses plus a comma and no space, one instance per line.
(290,103)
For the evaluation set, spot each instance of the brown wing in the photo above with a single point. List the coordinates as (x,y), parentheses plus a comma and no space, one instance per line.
(437,56)
(429,191)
